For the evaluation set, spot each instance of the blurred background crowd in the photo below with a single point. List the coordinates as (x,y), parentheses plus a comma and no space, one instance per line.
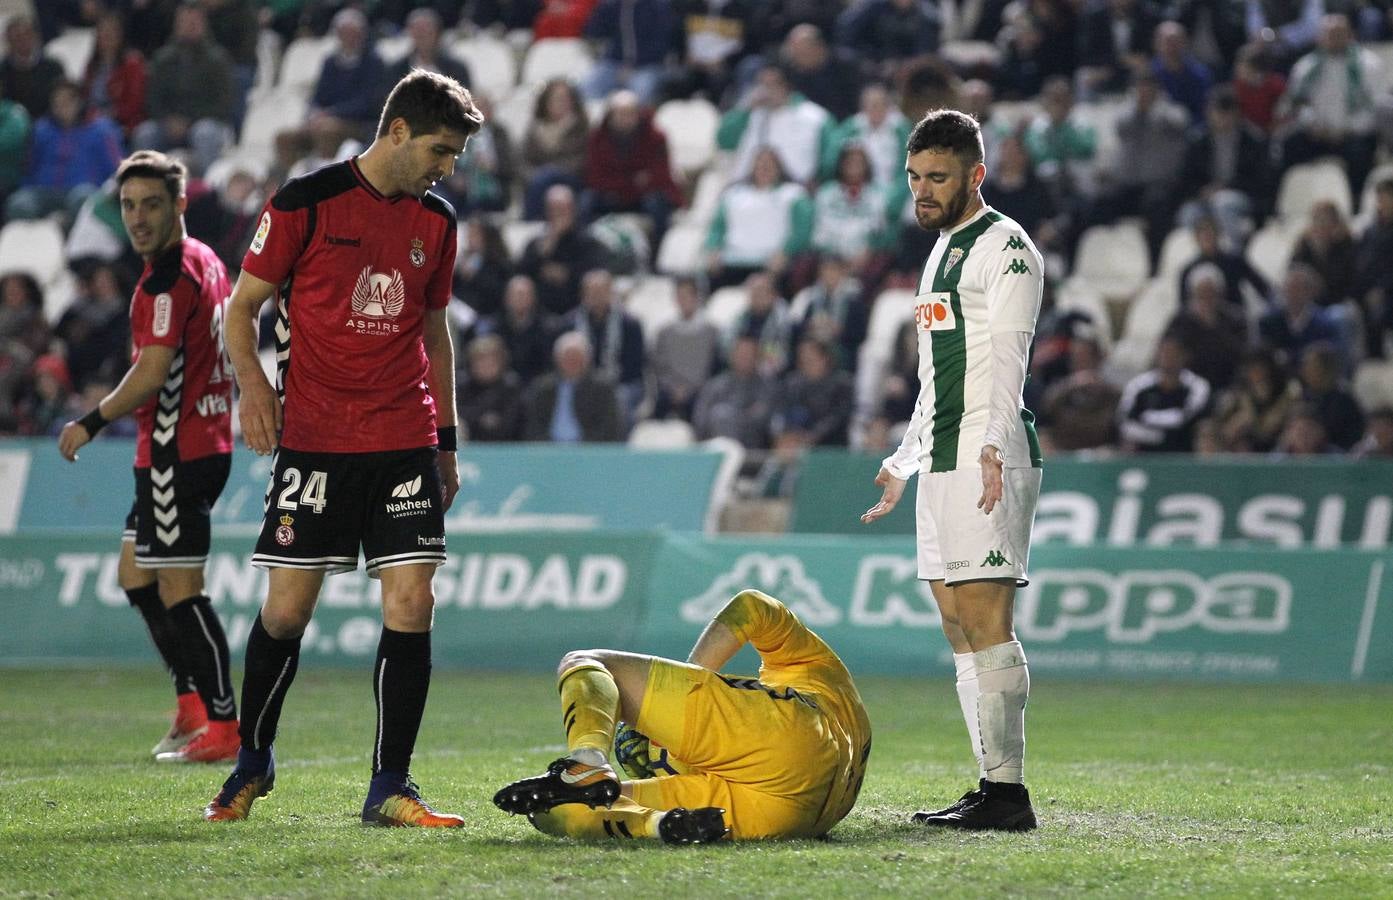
(687,219)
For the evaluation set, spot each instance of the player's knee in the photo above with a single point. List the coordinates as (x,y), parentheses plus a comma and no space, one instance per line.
(285,624)
(575,658)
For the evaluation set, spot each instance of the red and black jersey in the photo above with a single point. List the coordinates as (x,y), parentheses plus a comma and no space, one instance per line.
(179,302)
(357,272)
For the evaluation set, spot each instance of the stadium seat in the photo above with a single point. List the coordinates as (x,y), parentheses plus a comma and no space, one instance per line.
(690,127)
(889,312)
(393,49)
(1179,249)
(662,434)
(1114,259)
(268,115)
(1305,184)
(680,252)
(652,300)
(1373,384)
(557,58)
(1080,295)
(493,69)
(517,234)
(302,63)
(34,246)
(72,49)
(725,305)
(268,62)
(1151,311)
(705,197)
(1270,250)
(513,110)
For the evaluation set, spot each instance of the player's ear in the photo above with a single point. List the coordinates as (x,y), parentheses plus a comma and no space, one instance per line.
(977,175)
(181,203)
(399,131)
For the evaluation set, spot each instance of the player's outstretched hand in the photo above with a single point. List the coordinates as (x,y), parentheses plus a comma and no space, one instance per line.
(448,465)
(260,413)
(73,438)
(893,490)
(991,463)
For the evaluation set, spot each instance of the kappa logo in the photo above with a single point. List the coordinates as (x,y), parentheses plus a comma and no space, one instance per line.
(1016,267)
(262,231)
(408,488)
(781,576)
(1015,243)
(994,558)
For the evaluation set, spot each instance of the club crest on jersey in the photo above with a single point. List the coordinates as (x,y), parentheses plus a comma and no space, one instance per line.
(955,256)
(418,252)
(377,300)
(934,312)
(262,230)
(285,535)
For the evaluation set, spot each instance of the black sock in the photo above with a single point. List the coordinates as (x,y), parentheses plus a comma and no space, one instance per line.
(270,668)
(205,653)
(146,600)
(400,680)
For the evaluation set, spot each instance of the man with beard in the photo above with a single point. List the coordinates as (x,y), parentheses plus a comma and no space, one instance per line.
(973,444)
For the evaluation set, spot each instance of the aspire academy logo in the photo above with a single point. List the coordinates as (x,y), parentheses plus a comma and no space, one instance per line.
(377,300)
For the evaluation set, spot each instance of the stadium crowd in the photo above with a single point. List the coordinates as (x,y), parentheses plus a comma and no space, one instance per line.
(693,212)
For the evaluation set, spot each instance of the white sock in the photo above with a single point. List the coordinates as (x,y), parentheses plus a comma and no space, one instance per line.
(589,755)
(967,699)
(1003,682)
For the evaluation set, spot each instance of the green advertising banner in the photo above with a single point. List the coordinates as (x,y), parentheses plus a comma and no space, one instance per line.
(1155,501)
(520,487)
(1245,614)
(520,601)
(501,602)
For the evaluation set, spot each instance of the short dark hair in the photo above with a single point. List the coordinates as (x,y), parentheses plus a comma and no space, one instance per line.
(947,129)
(153,164)
(430,102)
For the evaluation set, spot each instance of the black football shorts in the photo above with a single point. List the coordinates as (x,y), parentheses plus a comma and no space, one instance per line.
(169,520)
(320,507)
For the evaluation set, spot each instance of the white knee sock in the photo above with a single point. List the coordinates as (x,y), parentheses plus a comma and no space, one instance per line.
(1003,683)
(967,699)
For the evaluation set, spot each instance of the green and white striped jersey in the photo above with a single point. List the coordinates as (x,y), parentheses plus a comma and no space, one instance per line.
(983,277)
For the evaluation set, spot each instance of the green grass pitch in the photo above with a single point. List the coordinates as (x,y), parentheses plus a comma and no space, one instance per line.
(1142,790)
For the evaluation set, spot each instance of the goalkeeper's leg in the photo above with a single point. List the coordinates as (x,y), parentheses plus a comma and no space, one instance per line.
(596,687)
(627,820)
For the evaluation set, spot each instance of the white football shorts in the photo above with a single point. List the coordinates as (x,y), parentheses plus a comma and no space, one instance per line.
(957,542)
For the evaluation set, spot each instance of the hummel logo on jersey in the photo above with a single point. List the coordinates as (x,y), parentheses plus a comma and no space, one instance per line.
(1015,243)
(994,558)
(408,488)
(1016,267)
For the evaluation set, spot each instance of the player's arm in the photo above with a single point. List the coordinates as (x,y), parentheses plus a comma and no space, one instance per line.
(896,469)
(1015,282)
(754,617)
(140,383)
(259,409)
(440,351)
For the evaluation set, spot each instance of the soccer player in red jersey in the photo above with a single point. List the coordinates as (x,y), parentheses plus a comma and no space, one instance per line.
(180,390)
(360,256)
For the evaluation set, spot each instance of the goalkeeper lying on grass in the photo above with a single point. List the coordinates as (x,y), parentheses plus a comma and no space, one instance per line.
(781,756)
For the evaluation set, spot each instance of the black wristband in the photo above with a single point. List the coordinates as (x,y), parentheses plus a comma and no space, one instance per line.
(93,421)
(447,440)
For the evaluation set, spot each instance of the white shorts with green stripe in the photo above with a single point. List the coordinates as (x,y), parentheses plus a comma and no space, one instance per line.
(958,542)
